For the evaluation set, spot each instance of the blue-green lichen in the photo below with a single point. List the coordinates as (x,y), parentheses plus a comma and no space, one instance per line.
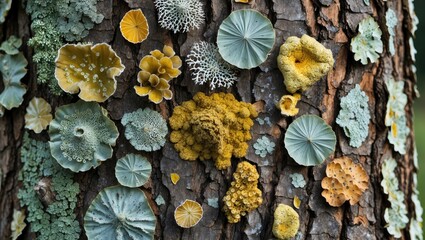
(298,180)
(212,202)
(12,68)
(57,220)
(354,116)
(391,21)
(11,45)
(145,129)
(367,44)
(4,9)
(264,146)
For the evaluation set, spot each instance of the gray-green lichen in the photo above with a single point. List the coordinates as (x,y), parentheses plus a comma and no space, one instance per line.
(212,202)
(391,21)
(415,227)
(13,69)
(264,146)
(4,9)
(354,116)
(298,180)
(57,220)
(11,45)
(367,44)
(159,200)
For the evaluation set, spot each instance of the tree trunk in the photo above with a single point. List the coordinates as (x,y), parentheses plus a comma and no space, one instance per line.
(332,23)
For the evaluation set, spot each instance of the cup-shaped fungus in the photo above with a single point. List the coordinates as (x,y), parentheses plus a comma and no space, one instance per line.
(157,69)
(82,135)
(303,61)
(38,115)
(344,181)
(90,69)
(134,26)
(243,195)
(133,170)
(286,222)
(288,104)
(12,68)
(212,127)
(188,214)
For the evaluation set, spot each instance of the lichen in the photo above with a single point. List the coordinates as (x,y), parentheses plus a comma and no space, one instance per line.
(157,69)
(415,19)
(18,223)
(354,116)
(82,136)
(134,26)
(175,178)
(367,44)
(56,220)
(243,196)
(415,227)
(288,104)
(303,61)
(11,45)
(133,170)
(188,214)
(12,68)
(298,180)
(391,21)
(212,127)
(5,6)
(180,15)
(145,129)
(212,202)
(207,65)
(264,146)
(38,115)
(286,222)
(159,200)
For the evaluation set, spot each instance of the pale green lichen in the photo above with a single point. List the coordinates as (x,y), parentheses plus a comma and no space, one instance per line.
(298,180)
(11,46)
(266,120)
(18,223)
(264,146)
(159,200)
(366,2)
(391,21)
(354,116)
(415,228)
(145,129)
(12,68)
(180,15)
(58,219)
(4,9)
(367,44)
(415,19)
(212,202)
(133,170)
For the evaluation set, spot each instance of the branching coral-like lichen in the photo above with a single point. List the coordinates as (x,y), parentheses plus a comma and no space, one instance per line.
(367,44)
(12,68)
(303,61)
(286,222)
(18,223)
(212,127)
(38,115)
(354,116)
(264,146)
(11,46)
(391,21)
(157,70)
(298,180)
(243,195)
(188,214)
(5,6)
(206,64)
(180,15)
(57,220)
(145,129)
(396,215)
(81,136)
(88,69)
(288,104)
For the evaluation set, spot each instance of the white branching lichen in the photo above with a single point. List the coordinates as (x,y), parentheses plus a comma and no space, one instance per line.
(206,64)
(391,21)
(180,15)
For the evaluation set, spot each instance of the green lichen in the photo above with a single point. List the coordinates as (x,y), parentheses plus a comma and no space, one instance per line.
(367,44)
(57,220)
(212,202)
(4,9)
(264,146)
(391,21)
(11,46)
(298,180)
(415,228)
(12,69)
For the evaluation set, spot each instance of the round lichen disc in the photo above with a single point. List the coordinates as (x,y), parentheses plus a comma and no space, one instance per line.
(188,214)
(134,26)
(245,38)
(309,140)
(133,170)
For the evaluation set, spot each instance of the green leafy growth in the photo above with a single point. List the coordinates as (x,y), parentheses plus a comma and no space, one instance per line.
(57,220)
(4,8)
(354,116)
(298,180)
(264,146)
(367,44)
(133,170)
(11,46)
(145,129)
(13,70)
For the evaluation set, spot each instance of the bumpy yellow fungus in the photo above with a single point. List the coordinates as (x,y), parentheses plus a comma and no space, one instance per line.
(243,195)
(286,222)
(157,70)
(287,104)
(38,115)
(212,127)
(303,61)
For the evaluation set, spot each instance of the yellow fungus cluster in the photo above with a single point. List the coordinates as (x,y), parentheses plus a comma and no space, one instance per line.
(288,104)
(243,195)
(212,127)
(286,222)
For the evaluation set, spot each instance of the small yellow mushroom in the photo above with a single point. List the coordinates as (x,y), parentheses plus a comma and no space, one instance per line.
(297,202)
(188,214)
(287,104)
(286,222)
(134,26)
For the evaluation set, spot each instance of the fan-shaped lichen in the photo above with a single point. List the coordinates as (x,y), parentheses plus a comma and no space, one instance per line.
(12,68)
(38,115)
(243,195)
(367,44)
(212,127)
(133,170)
(288,104)
(303,61)
(286,222)
(180,15)
(81,136)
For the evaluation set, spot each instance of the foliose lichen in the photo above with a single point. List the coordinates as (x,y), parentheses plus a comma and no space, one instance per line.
(38,115)
(188,214)
(180,15)
(288,104)
(18,223)
(207,65)
(133,170)
(13,69)
(354,116)
(391,21)
(298,180)
(264,146)
(286,222)
(367,44)
(11,45)
(415,227)
(4,9)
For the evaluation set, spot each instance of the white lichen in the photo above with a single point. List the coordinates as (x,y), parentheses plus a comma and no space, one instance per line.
(159,200)
(367,44)
(415,19)
(415,227)
(180,15)
(206,64)
(264,146)
(412,49)
(298,180)
(391,21)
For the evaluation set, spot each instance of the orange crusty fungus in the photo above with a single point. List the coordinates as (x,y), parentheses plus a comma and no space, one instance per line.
(212,127)
(287,104)
(243,195)
(188,214)
(90,69)
(303,61)
(345,181)
(157,70)
(134,26)
(286,222)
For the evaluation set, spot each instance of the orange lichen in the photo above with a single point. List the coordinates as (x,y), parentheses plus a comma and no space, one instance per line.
(212,127)
(345,181)
(243,195)
(287,104)
(174,178)
(157,70)
(188,214)
(134,26)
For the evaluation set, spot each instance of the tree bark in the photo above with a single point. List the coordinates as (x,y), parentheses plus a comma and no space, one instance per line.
(333,23)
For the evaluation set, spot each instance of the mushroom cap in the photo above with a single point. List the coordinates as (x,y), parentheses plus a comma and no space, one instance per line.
(38,115)
(134,26)
(188,214)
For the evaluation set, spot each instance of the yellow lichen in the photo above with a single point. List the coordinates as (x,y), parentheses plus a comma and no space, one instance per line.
(38,115)
(287,104)
(297,202)
(174,178)
(286,222)
(18,223)
(303,61)
(242,1)
(243,195)
(157,70)
(345,181)
(212,127)
(188,214)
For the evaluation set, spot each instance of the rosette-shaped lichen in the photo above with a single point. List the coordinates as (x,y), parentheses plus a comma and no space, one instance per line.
(12,68)
(243,195)
(180,15)
(207,65)
(288,104)
(367,44)
(145,129)
(38,115)
(81,136)
(5,6)
(157,70)
(298,180)
(88,69)
(212,127)
(303,61)
(286,222)
(264,146)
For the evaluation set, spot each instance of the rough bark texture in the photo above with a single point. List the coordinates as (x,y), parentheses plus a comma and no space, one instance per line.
(333,23)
